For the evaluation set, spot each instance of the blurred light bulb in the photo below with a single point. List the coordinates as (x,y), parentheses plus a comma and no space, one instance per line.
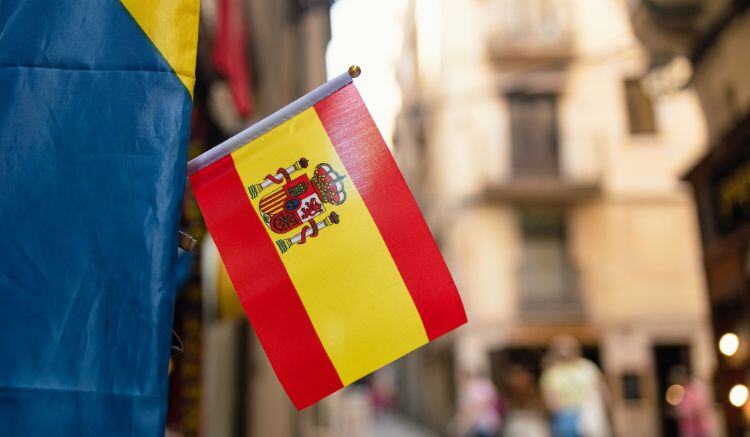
(738,395)
(674,394)
(729,343)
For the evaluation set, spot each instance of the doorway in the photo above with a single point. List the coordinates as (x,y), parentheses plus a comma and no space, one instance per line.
(666,357)
(508,362)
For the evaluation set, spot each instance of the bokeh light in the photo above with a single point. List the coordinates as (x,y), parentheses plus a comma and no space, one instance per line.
(674,395)
(738,395)
(729,343)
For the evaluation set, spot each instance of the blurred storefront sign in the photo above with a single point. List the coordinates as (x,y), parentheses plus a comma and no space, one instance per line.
(731,194)
(721,182)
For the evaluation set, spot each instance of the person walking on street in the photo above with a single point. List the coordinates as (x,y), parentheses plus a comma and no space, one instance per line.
(478,406)
(574,391)
(693,411)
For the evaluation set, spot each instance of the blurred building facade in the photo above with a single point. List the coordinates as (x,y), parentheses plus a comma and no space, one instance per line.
(715,37)
(549,169)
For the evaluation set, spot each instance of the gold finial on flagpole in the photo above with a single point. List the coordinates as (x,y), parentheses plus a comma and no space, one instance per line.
(354,71)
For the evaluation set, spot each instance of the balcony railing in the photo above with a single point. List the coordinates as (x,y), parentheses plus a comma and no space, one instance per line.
(549,292)
(574,174)
(530,29)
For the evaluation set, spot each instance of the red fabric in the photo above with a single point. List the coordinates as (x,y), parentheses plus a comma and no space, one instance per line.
(369,163)
(263,285)
(230,55)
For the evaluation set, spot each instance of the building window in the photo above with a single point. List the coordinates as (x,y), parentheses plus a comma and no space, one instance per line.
(641,116)
(533,123)
(532,21)
(548,281)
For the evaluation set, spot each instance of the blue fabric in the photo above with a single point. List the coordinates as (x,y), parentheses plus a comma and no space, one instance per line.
(93,136)
(565,423)
(183,269)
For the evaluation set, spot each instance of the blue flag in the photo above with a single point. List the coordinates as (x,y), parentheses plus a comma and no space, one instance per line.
(95,101)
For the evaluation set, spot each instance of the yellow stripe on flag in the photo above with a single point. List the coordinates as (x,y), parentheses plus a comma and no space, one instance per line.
(345,277)
(172,26)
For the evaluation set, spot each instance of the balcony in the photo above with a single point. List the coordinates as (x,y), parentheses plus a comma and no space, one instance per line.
(546,181)
(530,30)
(541,190)
(549,292)
(543,170)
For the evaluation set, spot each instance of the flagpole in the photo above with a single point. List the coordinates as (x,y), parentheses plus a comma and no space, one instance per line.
(209,157)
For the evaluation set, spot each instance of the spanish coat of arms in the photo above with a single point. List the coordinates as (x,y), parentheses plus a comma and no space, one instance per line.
(298,203)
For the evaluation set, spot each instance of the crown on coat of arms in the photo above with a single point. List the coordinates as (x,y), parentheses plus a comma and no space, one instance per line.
(329,183)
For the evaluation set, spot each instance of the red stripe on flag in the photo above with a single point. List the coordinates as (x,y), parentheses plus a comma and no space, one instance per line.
(263,285)
(374,172)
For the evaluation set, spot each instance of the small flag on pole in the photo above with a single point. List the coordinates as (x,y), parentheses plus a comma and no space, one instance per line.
(325,245)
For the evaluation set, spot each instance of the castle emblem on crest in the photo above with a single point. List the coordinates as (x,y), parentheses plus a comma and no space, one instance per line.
(297,204)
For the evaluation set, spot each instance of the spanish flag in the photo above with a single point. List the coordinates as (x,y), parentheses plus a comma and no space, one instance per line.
(325,245)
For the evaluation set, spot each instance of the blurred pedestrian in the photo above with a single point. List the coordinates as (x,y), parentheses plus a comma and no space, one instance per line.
(479,406)
(574,391)
(383,391)
(525,411)
(693,410)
